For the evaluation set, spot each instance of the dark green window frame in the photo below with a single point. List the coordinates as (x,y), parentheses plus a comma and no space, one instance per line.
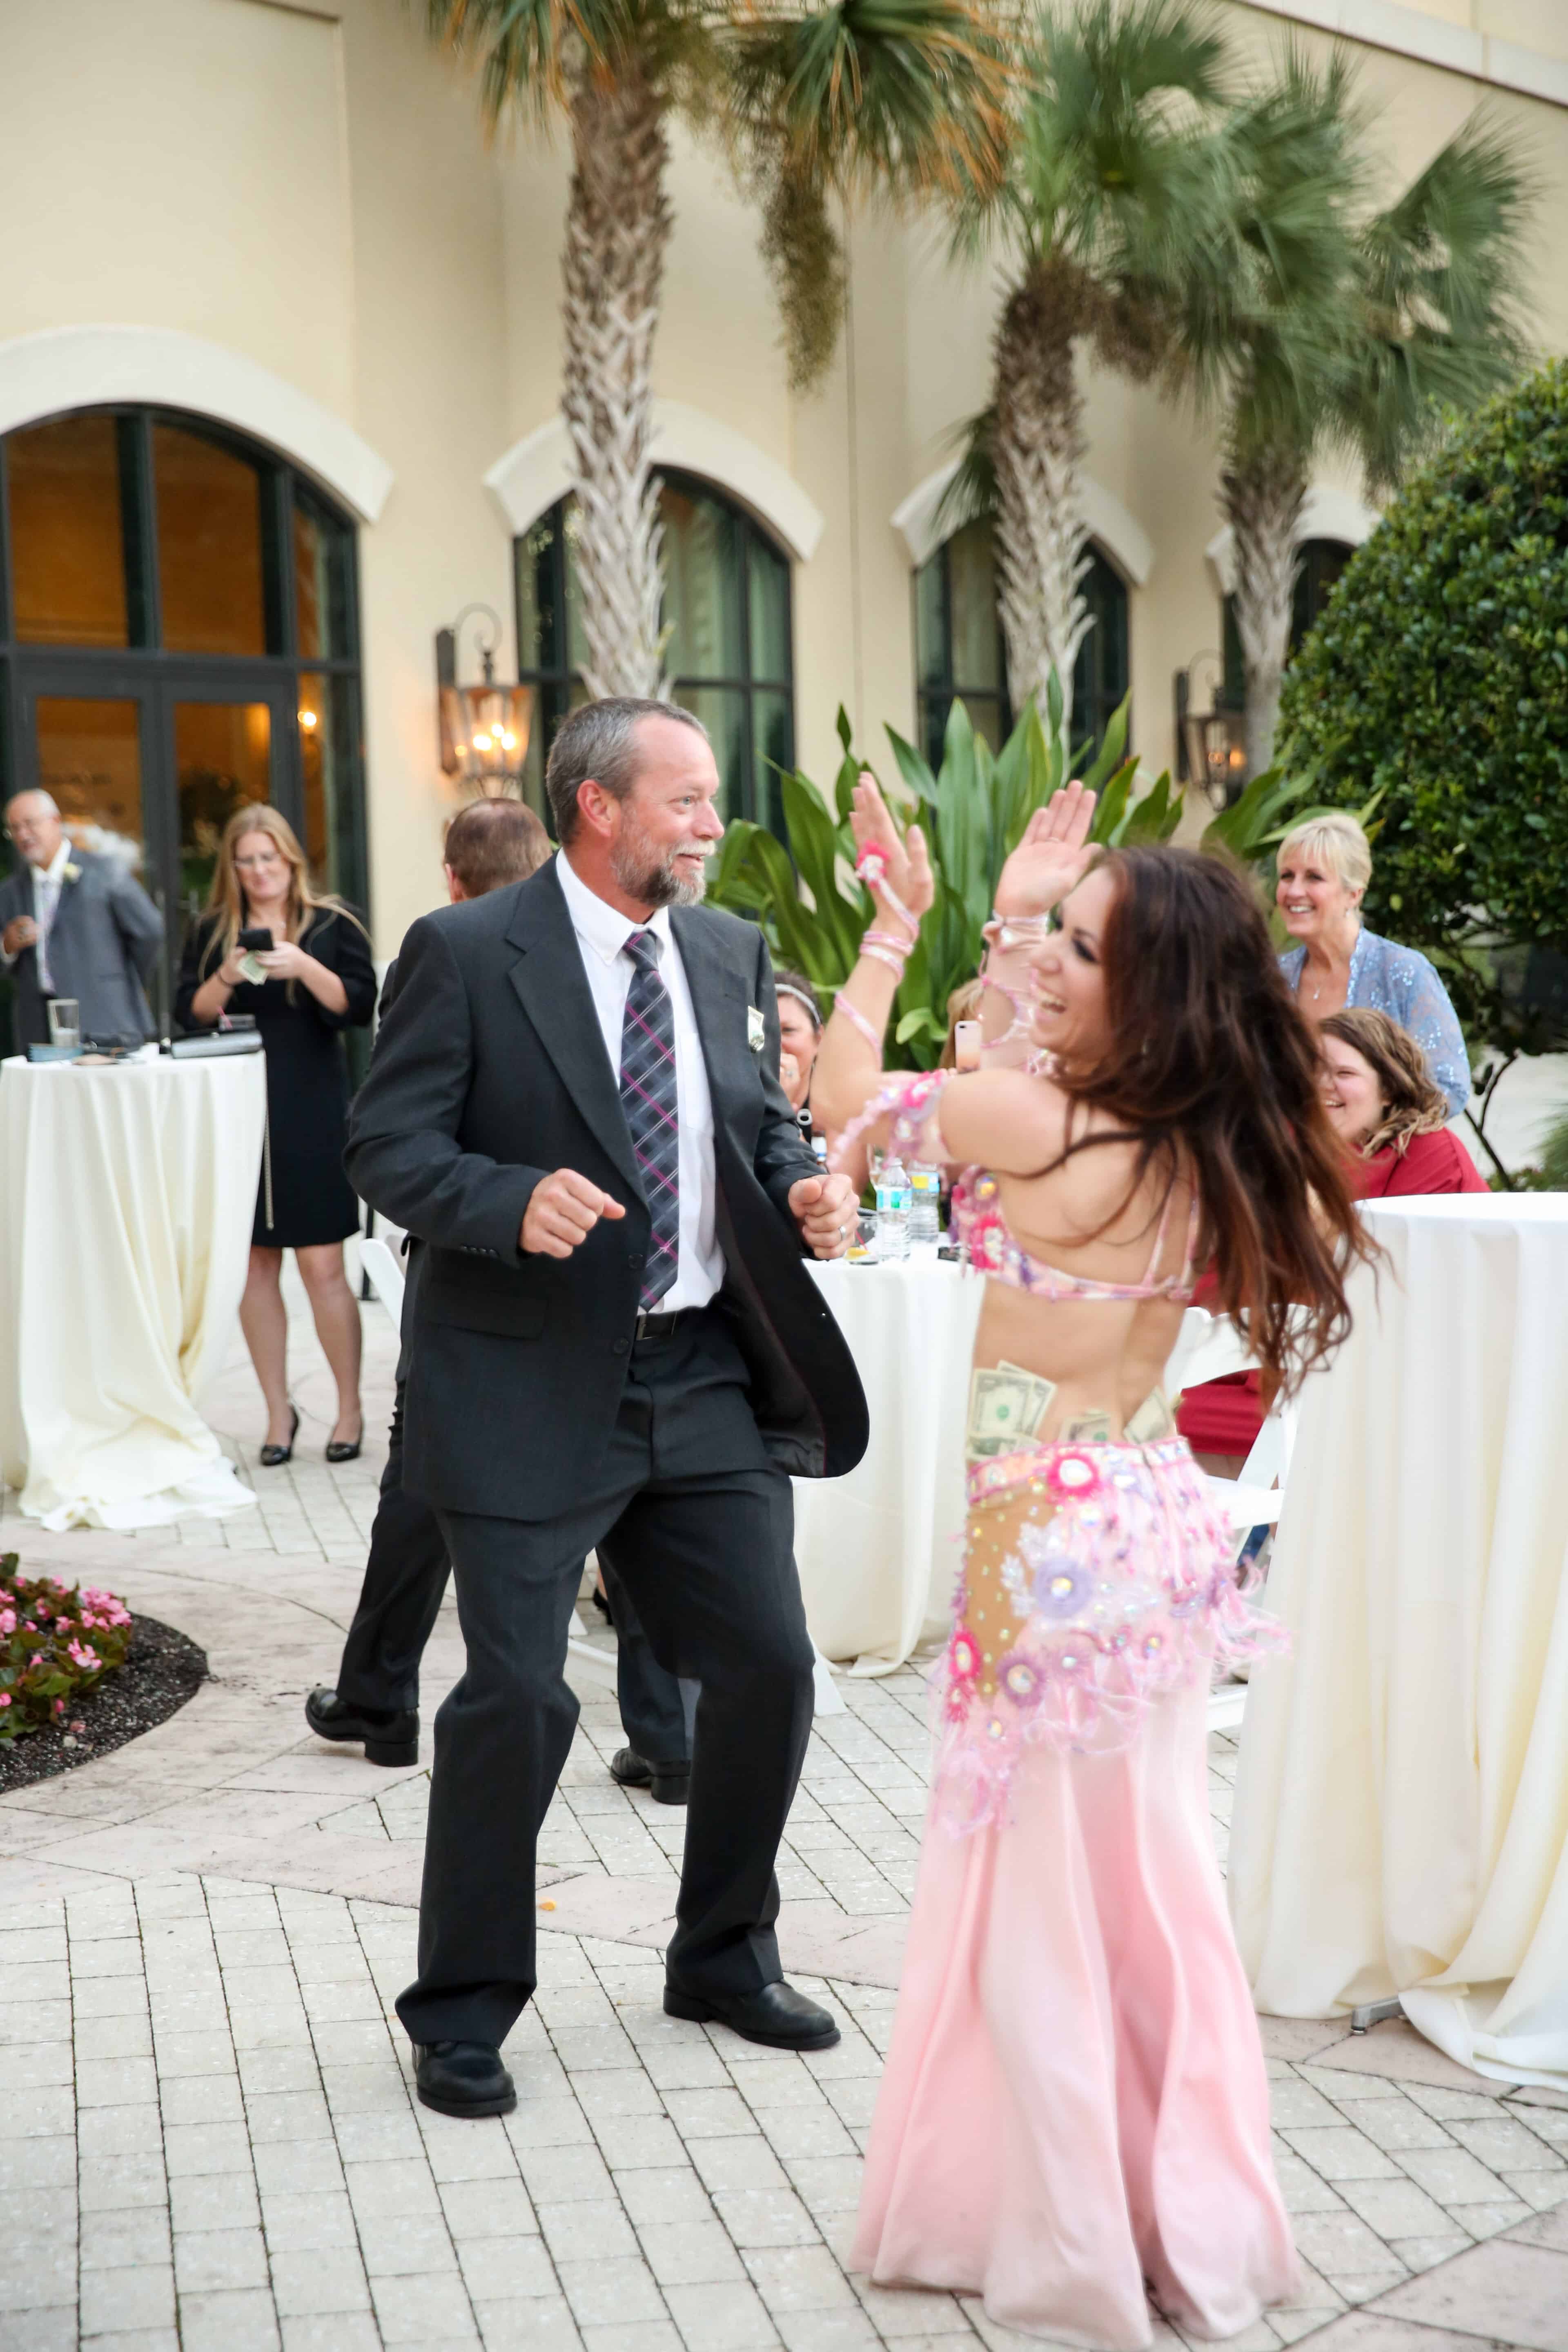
(545,616)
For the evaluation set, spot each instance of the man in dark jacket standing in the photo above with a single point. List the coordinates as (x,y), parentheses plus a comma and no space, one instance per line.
(76,926)
(574,1104)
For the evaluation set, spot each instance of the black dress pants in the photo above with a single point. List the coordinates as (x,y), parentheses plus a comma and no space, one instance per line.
(698,1526)
(404,1578)
(657,1711)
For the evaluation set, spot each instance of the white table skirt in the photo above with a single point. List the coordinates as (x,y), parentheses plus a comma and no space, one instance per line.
(127,1195)
(879,1550)
(1401,1819)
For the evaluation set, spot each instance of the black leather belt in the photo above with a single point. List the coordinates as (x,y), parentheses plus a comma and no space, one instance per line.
(657,1326)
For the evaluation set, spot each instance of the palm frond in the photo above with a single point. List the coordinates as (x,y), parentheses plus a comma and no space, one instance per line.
(907,96)
(1440,277)
(971,492)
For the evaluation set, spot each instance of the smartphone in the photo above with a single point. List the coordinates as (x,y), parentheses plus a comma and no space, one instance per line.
(966,1043)
(252,943)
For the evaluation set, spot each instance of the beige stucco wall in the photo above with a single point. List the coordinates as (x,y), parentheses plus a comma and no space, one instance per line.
(308,187)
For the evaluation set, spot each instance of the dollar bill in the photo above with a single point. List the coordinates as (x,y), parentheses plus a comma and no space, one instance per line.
(1088,1429)
(1007,1406)
(1152,1421)
(1041,1392)
(998,1402)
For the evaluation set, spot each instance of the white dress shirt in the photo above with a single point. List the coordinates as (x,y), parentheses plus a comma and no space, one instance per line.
(602,934)
(48,881)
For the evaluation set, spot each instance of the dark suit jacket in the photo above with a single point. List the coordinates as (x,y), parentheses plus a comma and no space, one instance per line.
(489,1073)
(103,946)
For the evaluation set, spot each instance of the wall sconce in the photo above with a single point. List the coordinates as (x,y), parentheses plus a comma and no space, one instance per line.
(484,729)
(1211,745)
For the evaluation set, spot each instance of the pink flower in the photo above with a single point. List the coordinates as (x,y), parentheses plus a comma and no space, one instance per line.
(963,1656)
(1072,1478)
(7,1620)
(4,1698)
(62,1624)
(83,1654)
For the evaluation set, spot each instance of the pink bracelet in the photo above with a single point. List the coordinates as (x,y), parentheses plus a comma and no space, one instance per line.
(853,1015)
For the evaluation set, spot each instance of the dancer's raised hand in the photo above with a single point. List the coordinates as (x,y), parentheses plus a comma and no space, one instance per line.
(1052,856)
(897,867)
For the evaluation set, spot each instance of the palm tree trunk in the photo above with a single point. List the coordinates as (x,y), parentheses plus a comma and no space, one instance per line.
(1040,540)
(618,226)
(1262,495)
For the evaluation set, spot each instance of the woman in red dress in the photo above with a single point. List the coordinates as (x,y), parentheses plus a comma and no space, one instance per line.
(1391,1118)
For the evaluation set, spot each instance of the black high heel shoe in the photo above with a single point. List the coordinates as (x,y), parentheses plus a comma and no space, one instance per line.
(340,1449)
(273,1457)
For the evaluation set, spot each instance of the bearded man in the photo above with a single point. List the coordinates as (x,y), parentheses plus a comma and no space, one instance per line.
(574,1104)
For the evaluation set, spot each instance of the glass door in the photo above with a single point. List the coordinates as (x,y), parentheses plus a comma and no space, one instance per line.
(149,770)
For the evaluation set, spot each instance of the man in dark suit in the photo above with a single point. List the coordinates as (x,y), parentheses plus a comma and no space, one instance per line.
(574,1101)
(76,926)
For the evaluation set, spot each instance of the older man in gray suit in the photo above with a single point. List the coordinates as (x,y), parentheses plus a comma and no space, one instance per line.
(73,925)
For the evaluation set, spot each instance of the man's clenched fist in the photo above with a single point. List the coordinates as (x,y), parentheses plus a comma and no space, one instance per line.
(563,1211)
(824,1209)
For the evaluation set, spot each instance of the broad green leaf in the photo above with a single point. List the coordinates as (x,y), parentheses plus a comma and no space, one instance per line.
(914,769)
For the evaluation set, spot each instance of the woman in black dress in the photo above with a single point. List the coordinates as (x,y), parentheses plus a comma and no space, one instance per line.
(320,980)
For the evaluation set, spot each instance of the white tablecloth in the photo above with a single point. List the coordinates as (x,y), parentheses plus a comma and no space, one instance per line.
(879,1550)
(127,1195)
(1402,1804)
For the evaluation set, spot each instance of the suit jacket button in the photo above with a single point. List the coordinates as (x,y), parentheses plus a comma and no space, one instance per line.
(634,1258)
(621,1346)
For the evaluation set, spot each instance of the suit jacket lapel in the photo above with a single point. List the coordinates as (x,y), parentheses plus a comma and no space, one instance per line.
(552,988)
(719,999)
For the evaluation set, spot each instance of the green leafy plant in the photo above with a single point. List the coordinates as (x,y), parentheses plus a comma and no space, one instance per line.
(56,1643)
(974,810)
(1438,675)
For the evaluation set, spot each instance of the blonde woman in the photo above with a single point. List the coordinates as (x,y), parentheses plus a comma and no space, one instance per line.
(1324,866)
(319,979)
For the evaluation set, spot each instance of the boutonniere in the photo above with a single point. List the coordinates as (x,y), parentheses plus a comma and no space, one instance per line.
(70,873)
(755,1033)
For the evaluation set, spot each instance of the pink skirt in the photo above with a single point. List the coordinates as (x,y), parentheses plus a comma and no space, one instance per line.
(1074,2115)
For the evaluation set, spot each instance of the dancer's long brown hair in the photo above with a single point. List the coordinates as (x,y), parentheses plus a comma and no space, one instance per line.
(1213,1067)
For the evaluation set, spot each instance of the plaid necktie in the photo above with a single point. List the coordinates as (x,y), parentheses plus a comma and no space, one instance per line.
(649,1101)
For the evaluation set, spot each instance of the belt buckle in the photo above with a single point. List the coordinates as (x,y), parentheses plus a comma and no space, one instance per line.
(640,1327)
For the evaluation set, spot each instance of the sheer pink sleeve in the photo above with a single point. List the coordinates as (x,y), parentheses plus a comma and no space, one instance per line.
(912,1103)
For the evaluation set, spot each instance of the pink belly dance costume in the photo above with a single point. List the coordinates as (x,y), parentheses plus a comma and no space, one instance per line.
(1074,2115)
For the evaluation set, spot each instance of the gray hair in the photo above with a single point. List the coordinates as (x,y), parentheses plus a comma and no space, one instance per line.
(34,793)
(600,741)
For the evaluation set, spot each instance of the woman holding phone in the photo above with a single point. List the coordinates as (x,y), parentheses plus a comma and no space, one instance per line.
(299,962)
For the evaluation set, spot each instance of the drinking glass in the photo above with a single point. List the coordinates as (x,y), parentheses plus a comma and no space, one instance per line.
(65,1022)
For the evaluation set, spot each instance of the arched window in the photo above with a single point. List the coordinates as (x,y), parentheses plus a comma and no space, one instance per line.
(727,612)
(1321,563)
(178,636)
(960,654)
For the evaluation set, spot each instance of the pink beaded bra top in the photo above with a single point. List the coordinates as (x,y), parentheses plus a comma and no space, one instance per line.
(989,1245)
(912,1106)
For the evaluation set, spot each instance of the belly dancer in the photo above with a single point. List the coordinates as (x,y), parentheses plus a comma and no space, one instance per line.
(1074,2117)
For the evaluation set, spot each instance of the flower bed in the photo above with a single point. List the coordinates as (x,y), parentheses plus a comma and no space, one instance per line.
(56,1644)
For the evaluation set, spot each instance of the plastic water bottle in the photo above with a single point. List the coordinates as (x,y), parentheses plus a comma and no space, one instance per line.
(893,1198)
(925,1195)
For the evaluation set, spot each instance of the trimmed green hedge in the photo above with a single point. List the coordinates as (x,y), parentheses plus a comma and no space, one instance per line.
(1438,676)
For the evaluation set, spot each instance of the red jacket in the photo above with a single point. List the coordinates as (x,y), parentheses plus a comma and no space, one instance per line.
(1224,1416)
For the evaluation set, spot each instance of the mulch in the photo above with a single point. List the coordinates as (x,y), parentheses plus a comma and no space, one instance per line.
(163,1669)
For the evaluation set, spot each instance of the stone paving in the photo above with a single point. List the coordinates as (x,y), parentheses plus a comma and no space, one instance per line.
(210,2140)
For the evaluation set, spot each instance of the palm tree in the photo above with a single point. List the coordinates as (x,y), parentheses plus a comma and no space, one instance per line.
(822,105)
(1315,321)
(1096,217)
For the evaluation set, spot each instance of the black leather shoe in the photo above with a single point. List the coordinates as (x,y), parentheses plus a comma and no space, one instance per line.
(668,1784)
(273,1457)
(391,1733)
(462,2078)
(777,2016)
